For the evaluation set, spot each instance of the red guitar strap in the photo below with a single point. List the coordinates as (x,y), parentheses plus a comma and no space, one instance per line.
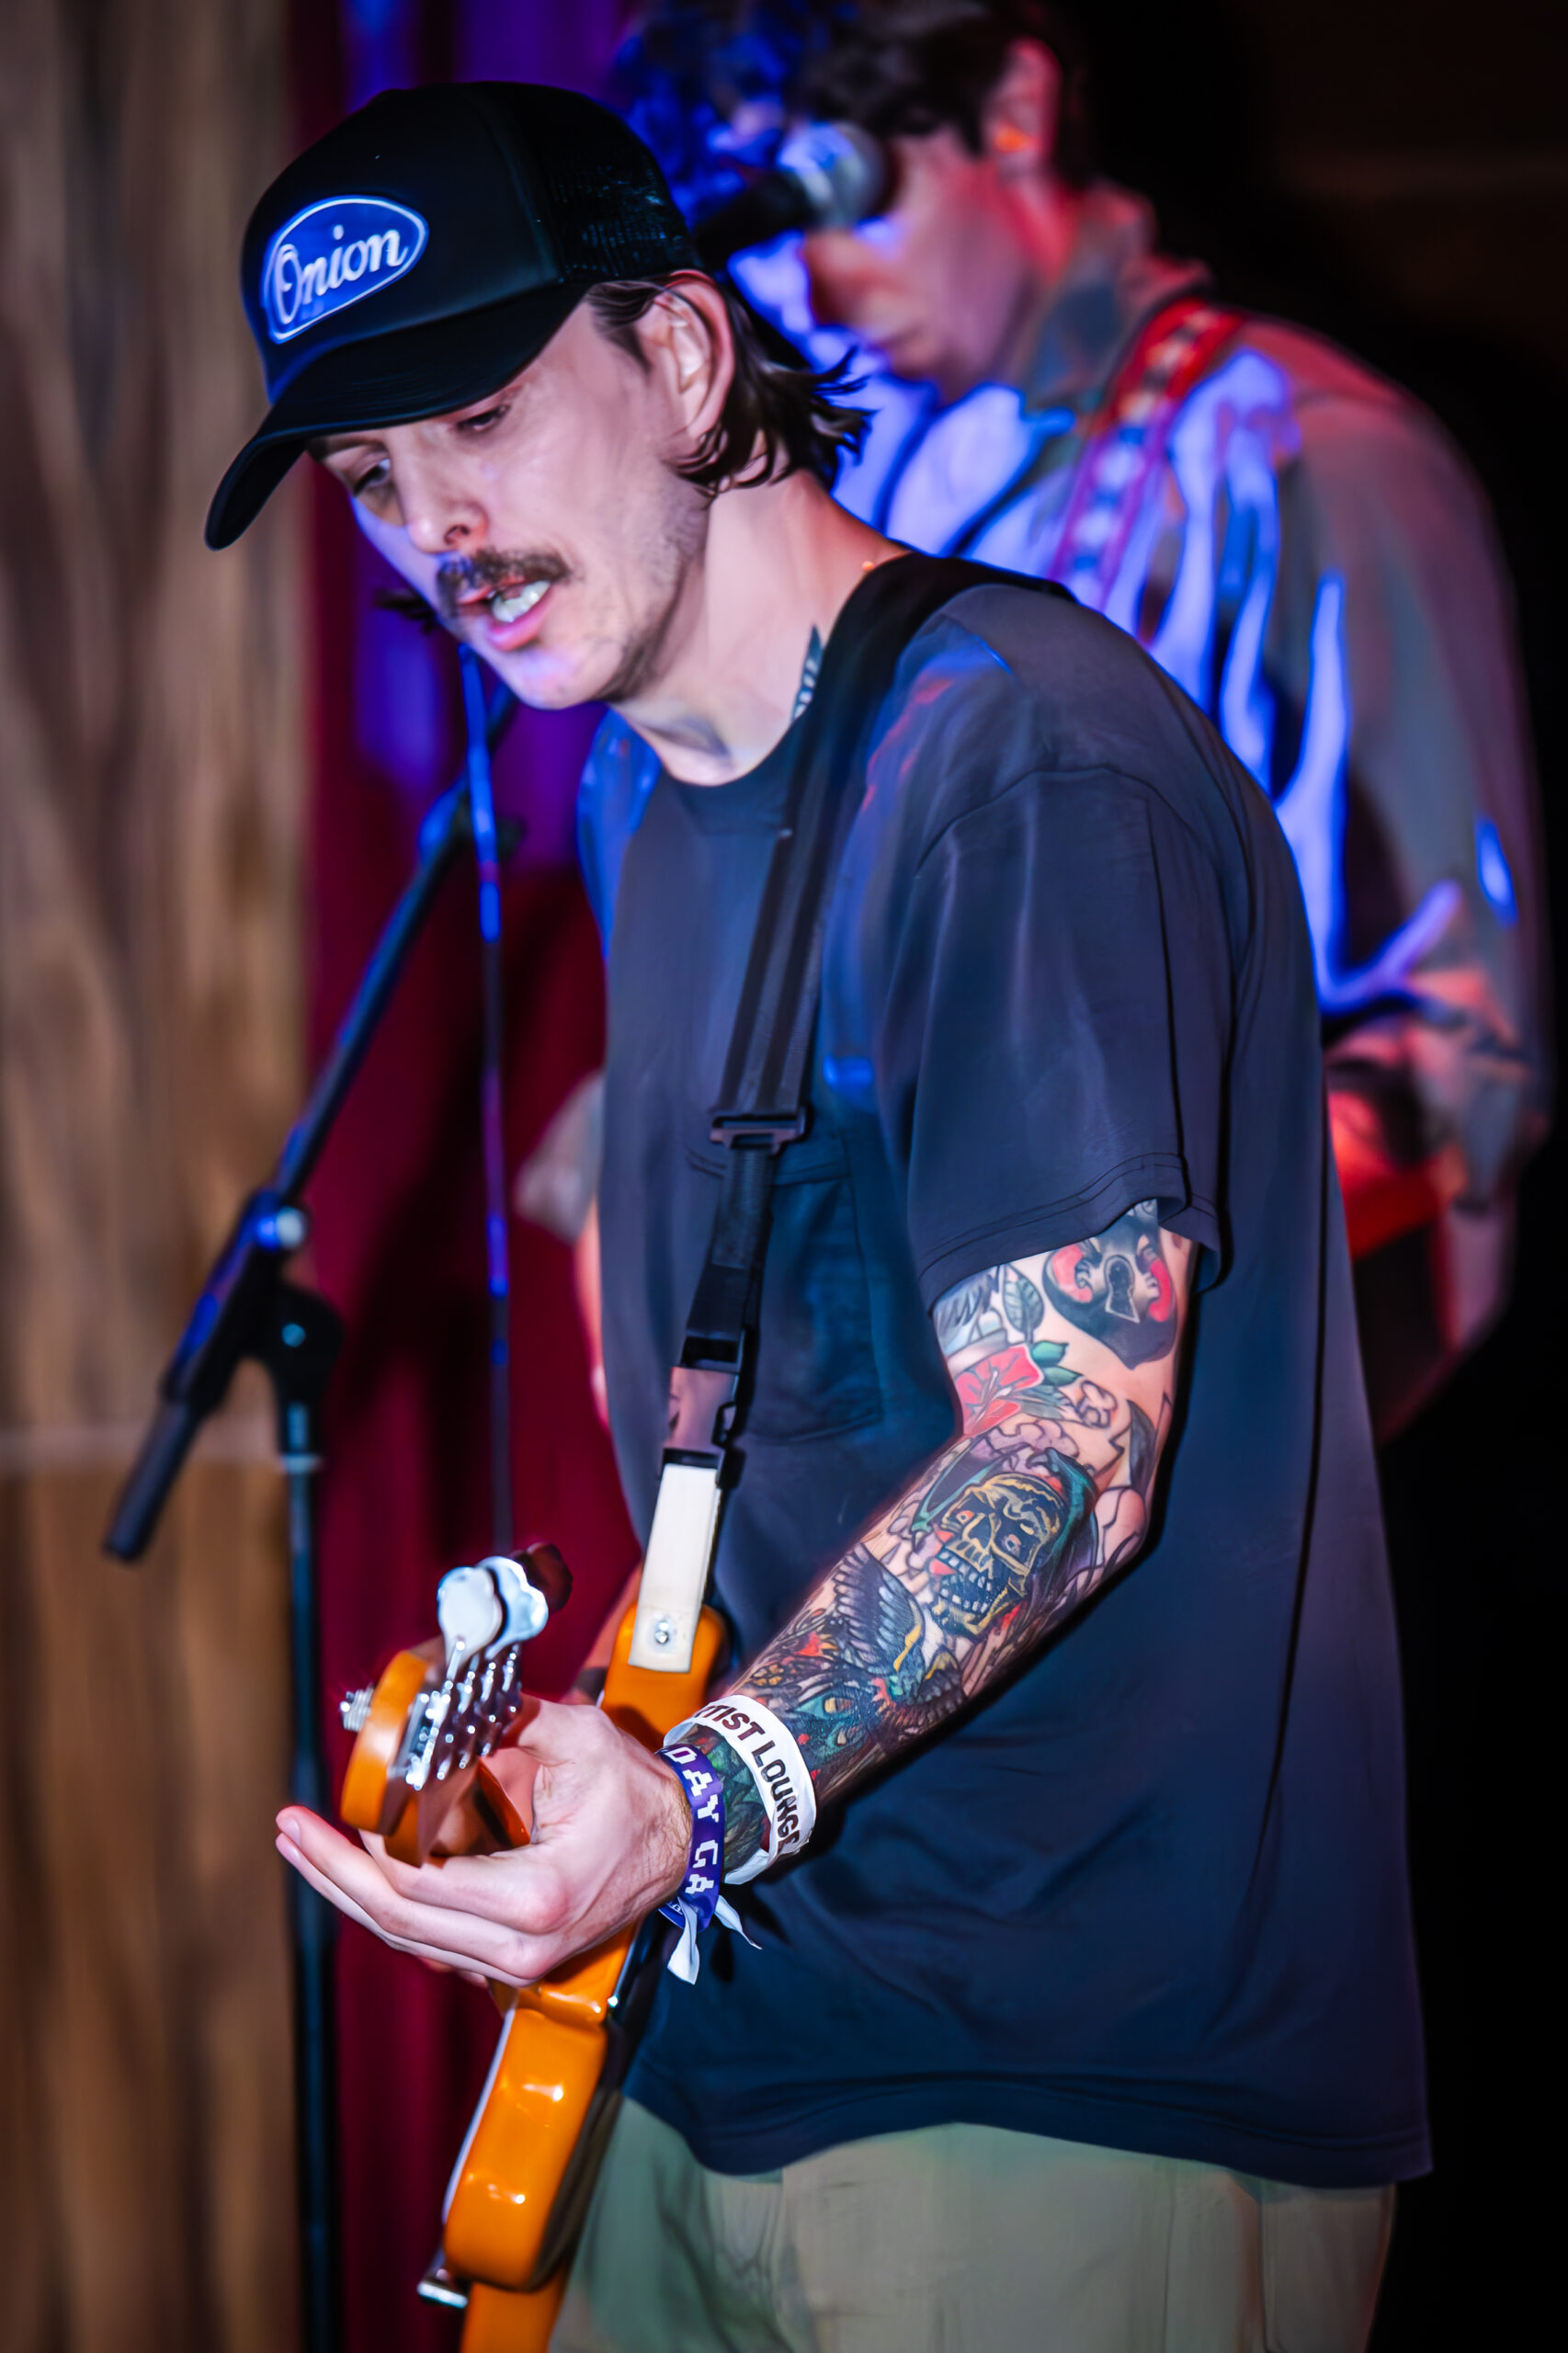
(1173,350)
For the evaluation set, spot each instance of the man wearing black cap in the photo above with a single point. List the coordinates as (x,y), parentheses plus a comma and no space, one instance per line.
(1082,2009)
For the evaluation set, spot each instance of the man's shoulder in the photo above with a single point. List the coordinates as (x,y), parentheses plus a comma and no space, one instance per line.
(1383,496)
(1317,368)
(1006,683)
(1356,425)
(1051,648)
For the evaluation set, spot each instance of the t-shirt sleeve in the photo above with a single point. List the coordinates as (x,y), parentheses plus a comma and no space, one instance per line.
(1057,1028)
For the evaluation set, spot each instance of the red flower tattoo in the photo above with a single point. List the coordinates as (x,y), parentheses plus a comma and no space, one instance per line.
(994,1388)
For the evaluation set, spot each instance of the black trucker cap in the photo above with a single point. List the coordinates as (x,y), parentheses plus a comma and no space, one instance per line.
(423,251)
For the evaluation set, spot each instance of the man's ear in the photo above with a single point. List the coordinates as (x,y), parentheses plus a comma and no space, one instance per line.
(686,340)
(1021,117)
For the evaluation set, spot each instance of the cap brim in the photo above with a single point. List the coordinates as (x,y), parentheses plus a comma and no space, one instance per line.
(386,379)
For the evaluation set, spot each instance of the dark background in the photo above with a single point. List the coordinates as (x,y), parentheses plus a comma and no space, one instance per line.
(1397,175)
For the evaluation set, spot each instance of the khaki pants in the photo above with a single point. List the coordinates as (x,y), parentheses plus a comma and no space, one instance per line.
(963,2239)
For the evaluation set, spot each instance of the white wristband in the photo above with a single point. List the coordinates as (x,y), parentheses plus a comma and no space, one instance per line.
(775,1763)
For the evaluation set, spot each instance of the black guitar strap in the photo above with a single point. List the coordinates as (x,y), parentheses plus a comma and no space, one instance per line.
(763,1108)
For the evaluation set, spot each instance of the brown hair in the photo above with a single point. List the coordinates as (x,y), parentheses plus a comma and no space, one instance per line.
(910,67)
(780,415)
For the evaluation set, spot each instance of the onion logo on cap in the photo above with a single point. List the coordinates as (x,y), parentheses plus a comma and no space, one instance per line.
(333,253)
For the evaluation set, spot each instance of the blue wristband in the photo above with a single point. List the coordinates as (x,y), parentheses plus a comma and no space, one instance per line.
(693,1904)
(705,1859)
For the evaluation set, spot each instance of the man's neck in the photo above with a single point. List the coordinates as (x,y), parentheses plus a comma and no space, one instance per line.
(1113,278)
(778,561)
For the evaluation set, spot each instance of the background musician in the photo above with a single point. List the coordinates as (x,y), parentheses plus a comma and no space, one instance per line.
(1295,542)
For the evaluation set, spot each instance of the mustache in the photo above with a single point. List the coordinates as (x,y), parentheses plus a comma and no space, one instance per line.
(459,578)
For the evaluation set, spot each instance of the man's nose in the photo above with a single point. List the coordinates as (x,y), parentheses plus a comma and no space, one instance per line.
(440,519)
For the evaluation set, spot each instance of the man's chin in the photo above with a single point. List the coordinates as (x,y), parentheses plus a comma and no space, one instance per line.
(547,677)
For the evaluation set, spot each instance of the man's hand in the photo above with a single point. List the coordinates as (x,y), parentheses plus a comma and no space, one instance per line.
(612,1830)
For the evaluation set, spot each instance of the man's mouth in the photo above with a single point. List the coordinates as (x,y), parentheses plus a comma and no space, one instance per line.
(510,604)
(501,594)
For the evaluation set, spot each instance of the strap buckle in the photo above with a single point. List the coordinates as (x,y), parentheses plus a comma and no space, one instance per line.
(701,1404)
(774,1129)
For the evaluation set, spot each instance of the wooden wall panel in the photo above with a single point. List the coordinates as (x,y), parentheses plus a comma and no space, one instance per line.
(150,757)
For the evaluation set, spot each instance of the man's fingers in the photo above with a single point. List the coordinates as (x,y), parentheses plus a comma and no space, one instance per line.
(406,1904)
(459,1964)
(528,1902)
(418,1938)
(301,1862)
(559,1734)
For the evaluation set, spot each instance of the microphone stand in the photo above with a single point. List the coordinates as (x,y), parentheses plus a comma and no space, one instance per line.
(248,1308)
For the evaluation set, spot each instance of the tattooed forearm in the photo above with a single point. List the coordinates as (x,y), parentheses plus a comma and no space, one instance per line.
(1064,1367)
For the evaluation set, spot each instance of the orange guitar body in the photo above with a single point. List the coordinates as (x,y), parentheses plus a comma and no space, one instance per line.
(553,2040)
(498,2322)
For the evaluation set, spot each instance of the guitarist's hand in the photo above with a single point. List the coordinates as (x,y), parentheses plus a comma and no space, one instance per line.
(611,1829)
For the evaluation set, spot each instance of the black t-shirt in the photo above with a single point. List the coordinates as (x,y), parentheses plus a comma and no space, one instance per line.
(1151,1892)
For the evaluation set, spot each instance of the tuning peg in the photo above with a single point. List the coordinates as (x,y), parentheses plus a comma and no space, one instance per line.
(354,1708)
(469,1610)
(547,1572)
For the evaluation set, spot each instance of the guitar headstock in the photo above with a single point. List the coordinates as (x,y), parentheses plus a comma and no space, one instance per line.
(424,1730)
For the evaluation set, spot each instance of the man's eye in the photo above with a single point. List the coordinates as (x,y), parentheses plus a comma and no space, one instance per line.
(484,420)
(371,479)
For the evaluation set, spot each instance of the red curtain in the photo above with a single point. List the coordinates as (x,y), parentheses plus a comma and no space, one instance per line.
(398,1205)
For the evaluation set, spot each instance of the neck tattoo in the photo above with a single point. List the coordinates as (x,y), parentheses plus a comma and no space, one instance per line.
(810,671)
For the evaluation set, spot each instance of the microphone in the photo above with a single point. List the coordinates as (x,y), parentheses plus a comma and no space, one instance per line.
(828,177)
